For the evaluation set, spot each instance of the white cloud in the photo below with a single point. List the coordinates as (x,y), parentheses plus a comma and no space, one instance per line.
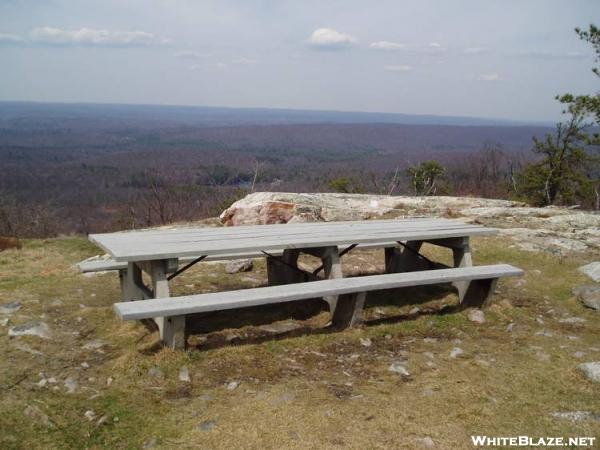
(474,50)
(210,66)
(437,46)
(543,55)
(398,68)
(328,39)
(94,37)
(386,45)
(489,77)
(190,54)
(245,61)
(7,38)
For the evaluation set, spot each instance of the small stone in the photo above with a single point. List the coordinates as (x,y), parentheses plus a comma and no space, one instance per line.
(591,370)
(510,327)
(4,322)
(184,374)
(592,270)
(232,337)
(576,416)
(379,312)
(231,386)
(456,352)
(414,311)
(366,342)
(426,442)
(102,420)
(71,385)
(388,337)
(579,354)
(397,367)
(109,381)
(94,345)
(9,308)
(476,316)
(34,413)
(541,356)
(85,365)
(573,320)
(89,415)
(239,265)
(589,295)
(40,329)
(149,443)
(207,425)
(155,372)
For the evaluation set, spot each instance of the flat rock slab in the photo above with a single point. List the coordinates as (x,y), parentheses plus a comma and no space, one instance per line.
(239,265)
(591,370)
(592,270)
(39,329)
(589,295)
(9,308)
(280,327)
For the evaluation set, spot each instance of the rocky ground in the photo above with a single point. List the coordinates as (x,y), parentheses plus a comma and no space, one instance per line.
(421,373)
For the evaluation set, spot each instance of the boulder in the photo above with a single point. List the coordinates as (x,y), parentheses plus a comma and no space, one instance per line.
(592,270)
(262,208)
(591,370)
(589,295)
(557,230)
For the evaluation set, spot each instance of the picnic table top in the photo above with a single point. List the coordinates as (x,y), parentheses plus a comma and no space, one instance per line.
(145,245)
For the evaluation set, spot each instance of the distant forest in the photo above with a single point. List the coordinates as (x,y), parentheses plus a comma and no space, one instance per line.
(66,171)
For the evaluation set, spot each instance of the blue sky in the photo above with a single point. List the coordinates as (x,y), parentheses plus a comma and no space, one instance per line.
(487,58)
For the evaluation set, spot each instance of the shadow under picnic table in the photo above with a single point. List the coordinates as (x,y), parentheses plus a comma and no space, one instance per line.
(308,317)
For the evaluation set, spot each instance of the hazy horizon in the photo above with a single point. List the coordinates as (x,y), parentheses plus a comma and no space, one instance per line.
(497,60)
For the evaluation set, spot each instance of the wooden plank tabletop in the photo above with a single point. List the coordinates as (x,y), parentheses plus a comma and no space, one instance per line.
(181,242)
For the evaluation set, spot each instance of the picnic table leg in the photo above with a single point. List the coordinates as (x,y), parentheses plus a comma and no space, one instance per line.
(349,310)
(171,329)
(281,270)
(405,260)
(332,268)
(478,293)
(462,258)
(132,287)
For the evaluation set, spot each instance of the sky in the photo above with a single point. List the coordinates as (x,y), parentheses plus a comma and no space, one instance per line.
(480,58)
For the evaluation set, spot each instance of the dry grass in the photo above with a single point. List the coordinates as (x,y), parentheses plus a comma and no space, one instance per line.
(310,388)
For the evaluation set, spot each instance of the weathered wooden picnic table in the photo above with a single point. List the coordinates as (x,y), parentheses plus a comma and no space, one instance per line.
(159,253)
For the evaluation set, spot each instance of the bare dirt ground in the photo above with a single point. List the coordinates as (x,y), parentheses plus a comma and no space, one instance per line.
(94,381)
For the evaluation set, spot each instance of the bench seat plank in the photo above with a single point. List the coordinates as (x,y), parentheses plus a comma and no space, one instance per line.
(102,265)
(179,306)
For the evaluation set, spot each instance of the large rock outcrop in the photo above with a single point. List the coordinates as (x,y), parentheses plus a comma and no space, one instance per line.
(551,229)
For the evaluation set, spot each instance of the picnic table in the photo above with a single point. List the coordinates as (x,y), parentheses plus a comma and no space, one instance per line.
(159,253)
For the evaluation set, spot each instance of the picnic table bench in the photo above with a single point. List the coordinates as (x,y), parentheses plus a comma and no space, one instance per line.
(164,254)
